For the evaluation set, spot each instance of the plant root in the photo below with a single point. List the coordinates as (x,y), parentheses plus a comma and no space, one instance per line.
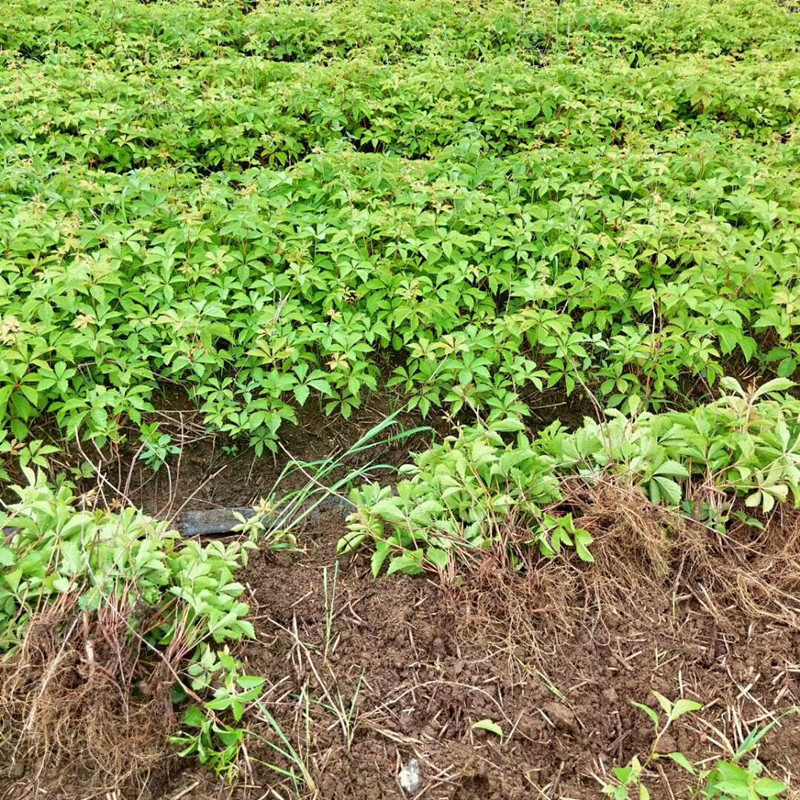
(80,706)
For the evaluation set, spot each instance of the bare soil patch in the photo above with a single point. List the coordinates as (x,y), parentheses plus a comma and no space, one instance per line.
(366,675)
(212,472)
(553,654)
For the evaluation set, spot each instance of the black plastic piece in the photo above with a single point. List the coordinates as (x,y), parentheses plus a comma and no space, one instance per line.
(213,521)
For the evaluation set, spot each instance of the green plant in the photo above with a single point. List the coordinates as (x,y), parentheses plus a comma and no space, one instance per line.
(157,447)
(461,495)
(299,771)
(456,498)
(597,203)
(745,443)
(489,725)
(177,602)
(630,777)
(215,743)
(16,455)
(727,780)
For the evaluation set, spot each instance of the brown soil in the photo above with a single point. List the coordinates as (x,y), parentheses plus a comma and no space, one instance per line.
(211,472)
(542,653)
(372,673)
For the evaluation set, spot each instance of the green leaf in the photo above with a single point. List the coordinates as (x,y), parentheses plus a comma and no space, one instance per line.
(438,557)
(382,551)
(7,557)
(221,703)
(193,717)
(388,509)
(322,386)
(672,469)
(665,704)
(582,541)
(670,490)
(250,681)
(766,787)
(301,392)
(684,706)
(405,563)
(13,578)
(775,385)
(681,760)
(733,788)
(623,774)
(651,713)
(753,500)
(508,425)
(732,772)
(488,725)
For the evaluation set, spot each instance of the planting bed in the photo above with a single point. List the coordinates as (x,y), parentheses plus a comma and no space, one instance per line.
(554,657)
(367,675)
(555,665)
(516,284)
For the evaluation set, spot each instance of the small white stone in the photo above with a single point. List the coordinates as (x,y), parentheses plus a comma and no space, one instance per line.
(410,777)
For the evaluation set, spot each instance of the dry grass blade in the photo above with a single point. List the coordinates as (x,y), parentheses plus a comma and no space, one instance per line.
(79,704)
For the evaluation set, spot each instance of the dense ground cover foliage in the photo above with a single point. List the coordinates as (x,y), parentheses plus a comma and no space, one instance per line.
(481,206)
(285,203)
(461,494)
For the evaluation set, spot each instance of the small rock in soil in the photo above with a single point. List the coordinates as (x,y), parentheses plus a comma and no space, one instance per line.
(410,777)
(561,716)
(666,744)
(610,695)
